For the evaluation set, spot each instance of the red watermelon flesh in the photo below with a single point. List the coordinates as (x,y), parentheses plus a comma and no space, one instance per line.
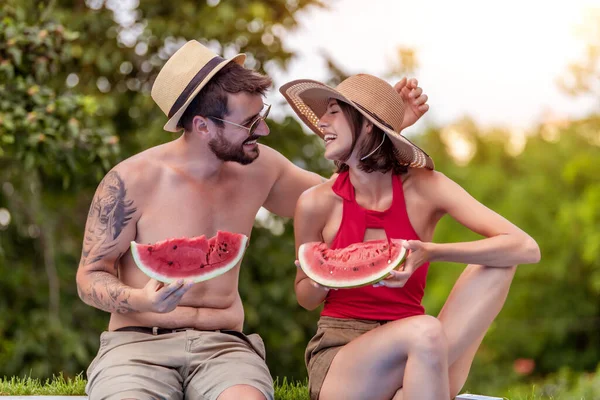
(196,259)
(359,264)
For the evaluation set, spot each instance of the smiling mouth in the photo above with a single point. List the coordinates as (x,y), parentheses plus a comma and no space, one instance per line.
(250,142)
(329,138)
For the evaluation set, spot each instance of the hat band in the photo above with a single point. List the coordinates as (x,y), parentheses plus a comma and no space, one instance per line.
(196,80)
(375,116)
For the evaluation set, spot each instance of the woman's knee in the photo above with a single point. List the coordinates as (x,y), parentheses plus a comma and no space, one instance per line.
(429,341)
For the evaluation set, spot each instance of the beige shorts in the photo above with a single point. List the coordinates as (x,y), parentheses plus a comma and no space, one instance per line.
(332,334)
(191,364)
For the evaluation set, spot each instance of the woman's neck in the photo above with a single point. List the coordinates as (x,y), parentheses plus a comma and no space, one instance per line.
(370,185)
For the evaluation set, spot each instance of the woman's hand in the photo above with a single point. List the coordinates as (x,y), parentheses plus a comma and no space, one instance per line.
(418,254)
(414,100)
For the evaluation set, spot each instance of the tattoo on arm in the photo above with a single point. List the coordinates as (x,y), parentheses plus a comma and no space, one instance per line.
(107,293)
(109,214)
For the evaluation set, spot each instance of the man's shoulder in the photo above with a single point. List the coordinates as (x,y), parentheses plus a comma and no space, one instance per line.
(138,170)
(270,156)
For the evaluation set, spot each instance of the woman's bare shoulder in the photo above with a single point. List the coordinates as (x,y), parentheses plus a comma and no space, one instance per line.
(318,199)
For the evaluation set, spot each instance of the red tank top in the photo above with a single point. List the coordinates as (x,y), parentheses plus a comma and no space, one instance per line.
(381,303)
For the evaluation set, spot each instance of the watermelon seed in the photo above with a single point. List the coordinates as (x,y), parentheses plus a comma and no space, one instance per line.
(150,249)
(175,247)
(201,265)
(372,264)
(170,263)
(355,269)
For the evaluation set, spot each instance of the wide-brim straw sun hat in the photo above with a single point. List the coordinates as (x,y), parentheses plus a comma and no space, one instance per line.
(373,97)
(183,76)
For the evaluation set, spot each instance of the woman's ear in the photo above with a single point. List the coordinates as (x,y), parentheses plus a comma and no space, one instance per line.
(367,126)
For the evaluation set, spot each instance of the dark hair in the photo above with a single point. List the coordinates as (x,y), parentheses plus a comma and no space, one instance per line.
(212,99)
(383,160)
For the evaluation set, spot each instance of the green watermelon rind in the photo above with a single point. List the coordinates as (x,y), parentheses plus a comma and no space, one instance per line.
(333,284)
(198,278)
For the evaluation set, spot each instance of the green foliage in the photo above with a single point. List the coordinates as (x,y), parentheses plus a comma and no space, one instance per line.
(565,384)
(74,101)
(550,190)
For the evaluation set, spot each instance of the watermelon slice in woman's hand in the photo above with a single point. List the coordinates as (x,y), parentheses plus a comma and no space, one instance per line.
(196,259)
(359,264)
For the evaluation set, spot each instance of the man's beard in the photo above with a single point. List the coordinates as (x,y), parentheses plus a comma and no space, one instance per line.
(227,151)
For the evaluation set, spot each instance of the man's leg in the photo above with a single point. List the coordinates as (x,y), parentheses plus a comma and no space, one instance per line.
(238,392)
(227,365)
(136,365)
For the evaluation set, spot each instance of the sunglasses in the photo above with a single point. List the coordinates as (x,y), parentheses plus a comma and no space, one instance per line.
(252,128)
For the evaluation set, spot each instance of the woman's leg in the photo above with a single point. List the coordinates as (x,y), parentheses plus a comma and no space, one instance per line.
(411,352)
(473,304)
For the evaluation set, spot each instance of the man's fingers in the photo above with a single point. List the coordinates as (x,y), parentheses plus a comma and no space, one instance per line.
(177,294)
(413,83)
(154,285)
(167,290)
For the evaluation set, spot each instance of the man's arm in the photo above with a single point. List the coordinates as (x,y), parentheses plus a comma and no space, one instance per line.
(110,227)
(291,182)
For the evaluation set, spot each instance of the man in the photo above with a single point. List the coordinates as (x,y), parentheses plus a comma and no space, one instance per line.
(183,340)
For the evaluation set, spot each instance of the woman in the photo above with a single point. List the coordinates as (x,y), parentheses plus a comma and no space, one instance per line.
(376,342)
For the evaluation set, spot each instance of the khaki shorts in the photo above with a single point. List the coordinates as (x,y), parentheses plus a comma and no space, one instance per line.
(191,364)
(332,334)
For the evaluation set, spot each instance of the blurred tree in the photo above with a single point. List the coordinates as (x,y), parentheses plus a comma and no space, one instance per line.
(550,189)
(73,102)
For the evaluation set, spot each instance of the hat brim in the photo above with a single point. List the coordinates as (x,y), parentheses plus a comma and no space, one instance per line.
(309,100)
(171,125)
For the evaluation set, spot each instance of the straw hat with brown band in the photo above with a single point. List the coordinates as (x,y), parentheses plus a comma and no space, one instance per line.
(182,78)
(374,98)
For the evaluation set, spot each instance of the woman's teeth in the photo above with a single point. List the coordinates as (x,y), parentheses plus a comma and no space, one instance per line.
(329,137)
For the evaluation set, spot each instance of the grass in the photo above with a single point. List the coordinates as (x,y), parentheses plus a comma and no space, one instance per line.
(284,390)
(57,386)
(61,386)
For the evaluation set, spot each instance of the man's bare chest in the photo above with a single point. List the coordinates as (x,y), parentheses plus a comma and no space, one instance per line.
(188,210)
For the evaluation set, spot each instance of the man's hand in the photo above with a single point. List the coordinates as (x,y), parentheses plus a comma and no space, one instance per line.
(414,99)
(160,298)
(418,254)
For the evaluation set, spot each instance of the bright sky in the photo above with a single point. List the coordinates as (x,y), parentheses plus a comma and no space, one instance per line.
(497,62)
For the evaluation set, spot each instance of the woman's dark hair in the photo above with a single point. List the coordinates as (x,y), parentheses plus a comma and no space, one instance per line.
(385,159)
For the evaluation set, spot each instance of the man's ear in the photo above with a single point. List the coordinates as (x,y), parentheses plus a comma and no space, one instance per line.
(200,124)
